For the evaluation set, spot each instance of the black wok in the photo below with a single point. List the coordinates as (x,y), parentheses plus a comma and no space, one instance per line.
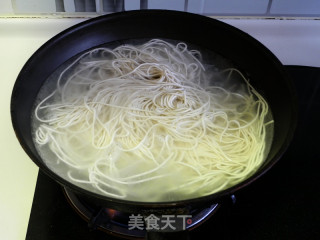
(263,69)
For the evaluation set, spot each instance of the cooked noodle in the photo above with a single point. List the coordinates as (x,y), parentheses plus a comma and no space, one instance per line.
(143,123)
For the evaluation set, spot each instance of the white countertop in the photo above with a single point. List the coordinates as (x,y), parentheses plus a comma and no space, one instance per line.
(294,42)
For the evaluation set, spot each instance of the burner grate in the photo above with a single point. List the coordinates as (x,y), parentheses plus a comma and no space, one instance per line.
(118,223)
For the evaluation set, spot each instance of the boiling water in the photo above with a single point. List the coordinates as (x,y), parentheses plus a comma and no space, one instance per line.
(130,182)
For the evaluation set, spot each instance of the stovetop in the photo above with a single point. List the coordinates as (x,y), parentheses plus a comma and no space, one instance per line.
(283,204)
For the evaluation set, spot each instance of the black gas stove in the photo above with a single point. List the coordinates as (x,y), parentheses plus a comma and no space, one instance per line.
(283,204)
